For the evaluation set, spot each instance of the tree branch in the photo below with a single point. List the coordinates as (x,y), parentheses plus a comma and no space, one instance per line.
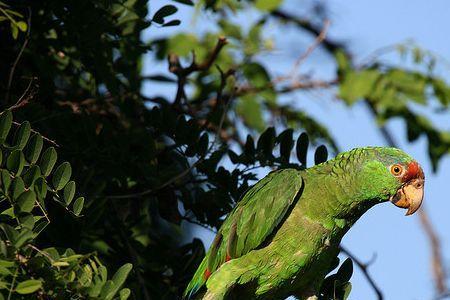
(182,73)
(364,269)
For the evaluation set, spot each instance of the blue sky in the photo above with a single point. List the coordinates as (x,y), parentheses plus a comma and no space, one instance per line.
(402,265)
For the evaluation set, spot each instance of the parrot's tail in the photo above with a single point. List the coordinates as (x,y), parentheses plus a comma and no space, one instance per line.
(197,281)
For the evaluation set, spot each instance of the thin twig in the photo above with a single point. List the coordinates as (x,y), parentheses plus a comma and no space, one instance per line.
(319,39)
(19,55)
(306,25)
(436,263)
(182,73)
(43,137)
(364,269)
(42,252)
(22,100)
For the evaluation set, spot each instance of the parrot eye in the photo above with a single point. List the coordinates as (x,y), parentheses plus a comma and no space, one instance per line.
(396,170)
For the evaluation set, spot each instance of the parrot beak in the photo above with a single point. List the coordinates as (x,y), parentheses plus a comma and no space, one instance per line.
(410,195)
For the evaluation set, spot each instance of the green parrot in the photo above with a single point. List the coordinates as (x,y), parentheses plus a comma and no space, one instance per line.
(284,234)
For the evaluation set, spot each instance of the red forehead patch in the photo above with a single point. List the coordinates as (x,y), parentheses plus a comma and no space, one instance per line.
(413,171)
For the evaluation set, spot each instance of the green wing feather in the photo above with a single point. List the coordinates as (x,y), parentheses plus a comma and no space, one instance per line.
(251,222)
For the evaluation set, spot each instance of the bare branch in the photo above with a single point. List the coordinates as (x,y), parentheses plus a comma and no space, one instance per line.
(182,73)
(43,137)
(364,269)
(436,257)
(319,39)
(331,46)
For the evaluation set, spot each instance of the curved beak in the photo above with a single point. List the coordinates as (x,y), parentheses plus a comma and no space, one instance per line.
(410,195)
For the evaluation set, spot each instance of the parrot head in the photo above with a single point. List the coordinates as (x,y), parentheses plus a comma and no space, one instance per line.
(399,176)
(410,193)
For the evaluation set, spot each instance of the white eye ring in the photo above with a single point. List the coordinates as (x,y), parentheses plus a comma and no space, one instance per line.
(397,170)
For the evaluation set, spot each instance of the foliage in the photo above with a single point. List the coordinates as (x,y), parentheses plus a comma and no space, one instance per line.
(150,165)
(30,182)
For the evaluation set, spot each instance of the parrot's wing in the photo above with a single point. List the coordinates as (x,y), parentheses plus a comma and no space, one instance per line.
(255,218)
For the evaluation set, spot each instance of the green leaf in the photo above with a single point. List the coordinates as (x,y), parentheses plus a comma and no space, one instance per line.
(61,176)
(5,124)
(40,188)
(34,148)
(22,26)
(69,192)
(22,135)
(78,206)
(249,108)
(15,162)
(25,236)
(267,5)
(119,279)
(27,220)
(256,74)
(108,289)
(28,286)
(342,60)
(320,155)
(31,175)
(358,85)
(4,271)
(6,179)
(25,202)
(17,187)
(124,294)
(347,289)
(48,161)
(163,12)
(301,148)
(14,30)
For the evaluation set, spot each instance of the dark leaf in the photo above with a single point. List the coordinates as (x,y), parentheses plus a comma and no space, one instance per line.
(187,2)
(172,23)
(78,206)
(22,135)
(61,176)
(48,160)
(15,162)
(302,148)
(286,144)
(163,12)
(320,155)
(266,142)
(34,148)
(5,124)
(69,192)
